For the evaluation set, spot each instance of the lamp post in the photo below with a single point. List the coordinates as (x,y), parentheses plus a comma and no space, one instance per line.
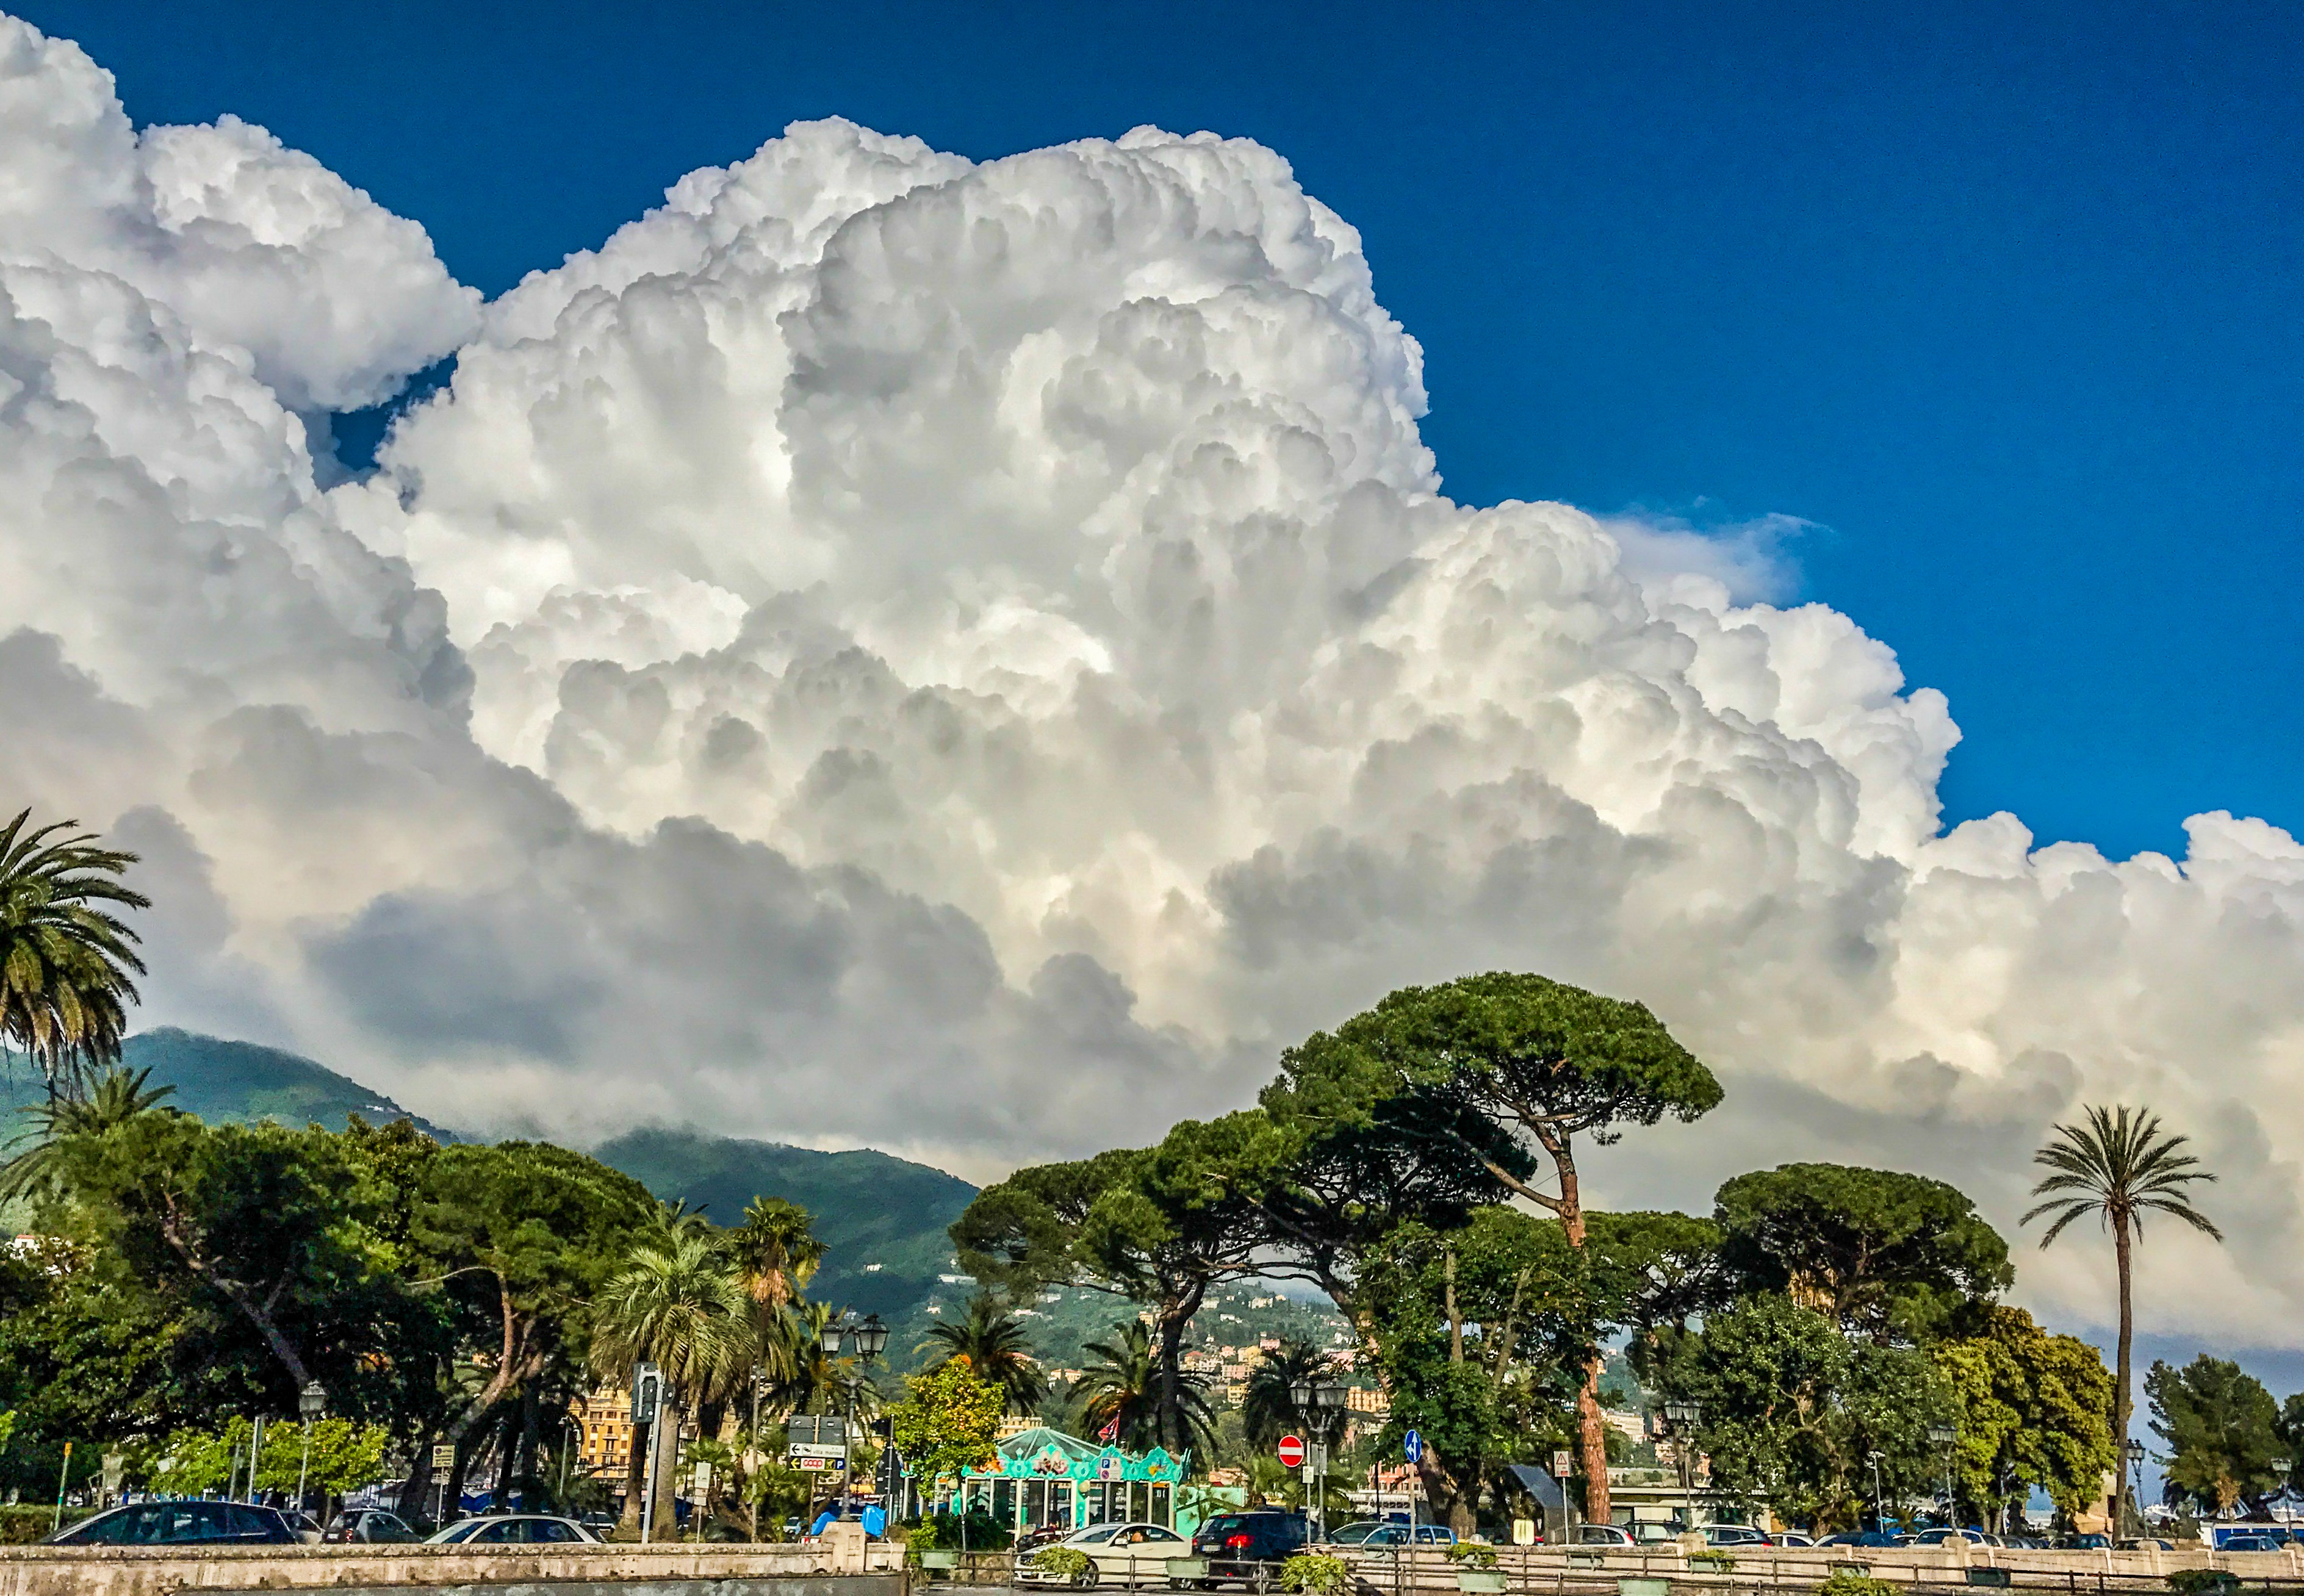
(1945,1436)
(1879,1510)
(2280,1465)
(870,1337)
(312,1402)
(1316,1402)
(1681,1416)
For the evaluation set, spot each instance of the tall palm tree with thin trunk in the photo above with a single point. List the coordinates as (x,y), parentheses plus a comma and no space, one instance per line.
(1118,1394)
(67,958)
(2118,1165)
(682,1308)
(1268,1409)
(775,1251)
(997,1348)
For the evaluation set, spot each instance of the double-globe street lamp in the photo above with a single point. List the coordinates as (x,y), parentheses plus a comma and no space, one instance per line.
(1946,1436)
(2133,1451)
(1316,1402)
(870,1339)
(1680,1416)
(312,1402)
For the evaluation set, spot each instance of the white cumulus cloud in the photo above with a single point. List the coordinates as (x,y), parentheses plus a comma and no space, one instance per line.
(975,658)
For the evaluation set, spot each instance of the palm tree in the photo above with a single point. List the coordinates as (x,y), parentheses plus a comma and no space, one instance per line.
(119,1097)
(1121,1392)
(997,1348)
(1268,1411)
(2119,1167)
(65,959)
(682,1309)
(775,1251)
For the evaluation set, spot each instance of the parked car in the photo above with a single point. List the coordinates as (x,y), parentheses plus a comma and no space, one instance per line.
(1118,1554)
(2251,1543)
(1732,1534)
(1248,1547)
(1861,1537)
(1647,1534)
(514,1529)
(367,1526)
(1401,1534)
(2145,1543)
(175,1524)
(1791,1538)
(1603,1534)
(1937,1537)
(1354,1532)
(2083,1543)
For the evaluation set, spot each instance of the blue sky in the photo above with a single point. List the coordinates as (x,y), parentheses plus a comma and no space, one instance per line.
(2004,300)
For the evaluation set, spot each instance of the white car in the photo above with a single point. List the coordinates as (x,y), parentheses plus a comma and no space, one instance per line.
(1118,1554)
(1603,1534)
(514,1529)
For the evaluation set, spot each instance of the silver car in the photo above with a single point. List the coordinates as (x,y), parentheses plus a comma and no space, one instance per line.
(514,1529)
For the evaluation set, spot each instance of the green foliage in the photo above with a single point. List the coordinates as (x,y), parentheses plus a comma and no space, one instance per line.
(1790,1408)
(1122,1384)
(1847,1581)
(1883,1253)
(1715,1559)
(1062,1562)
(1472,1554)
(344,1457)
(1268,1409)
(2221,1427)
(28,1522)
(996,1348)
(2033,1409)
(948,1424)
(67,958)
(1316,1573)
(676,1304)
(944,1532)
(2202,1581)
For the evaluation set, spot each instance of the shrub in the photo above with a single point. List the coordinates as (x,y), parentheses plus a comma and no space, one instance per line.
(1065,1562)
(1847,1583)
(1474,1554)
(2202,1581)
(29,1521)
(1316,1573)
(940,1532)
(1721,1562)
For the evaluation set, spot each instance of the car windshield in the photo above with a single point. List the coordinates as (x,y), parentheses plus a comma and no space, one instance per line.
(458,1532)
(1097,1536)
(1227,1523)
(1352,1534)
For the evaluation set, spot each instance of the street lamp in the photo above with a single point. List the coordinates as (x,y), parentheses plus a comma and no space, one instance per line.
(1879,1511)
(312,1402)
(1944,1436)
(1316,1402)
(2133,1449)
(568,1420)
(1680,1416)
(2280,1465)
(870,1337)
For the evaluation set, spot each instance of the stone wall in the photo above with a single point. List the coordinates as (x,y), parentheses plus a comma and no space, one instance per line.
(506,1571)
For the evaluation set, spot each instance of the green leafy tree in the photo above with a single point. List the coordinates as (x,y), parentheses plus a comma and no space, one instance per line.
(67,959)
(1480,1332)
(1121,1388)
(521,1236)
(2034,1410)
(1885,1255)
(1793,1408)
(948,1422)
(2222,1429)
(680,1307)
(1268,1408)
(996,1348)
(2118,1166)
(1505,1061)
(775,1252)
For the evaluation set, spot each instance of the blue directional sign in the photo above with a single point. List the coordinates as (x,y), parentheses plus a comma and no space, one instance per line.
(1414,1446)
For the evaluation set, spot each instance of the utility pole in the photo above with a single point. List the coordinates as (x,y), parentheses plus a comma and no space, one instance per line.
(648,1404)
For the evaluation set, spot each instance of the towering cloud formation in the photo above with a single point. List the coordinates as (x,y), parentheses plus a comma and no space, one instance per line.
(974,659)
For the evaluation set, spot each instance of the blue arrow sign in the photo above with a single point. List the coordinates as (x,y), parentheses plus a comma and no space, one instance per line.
(1414,1446)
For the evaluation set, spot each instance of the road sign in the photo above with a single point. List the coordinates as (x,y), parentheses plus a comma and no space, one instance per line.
(1291,1450)
(1561,1464)
(1413,1446)
(818,1465)
(444,1458)
(811,1449)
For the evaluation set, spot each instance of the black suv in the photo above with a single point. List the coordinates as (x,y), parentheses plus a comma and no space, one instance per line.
(1248,1547)
(179,1523)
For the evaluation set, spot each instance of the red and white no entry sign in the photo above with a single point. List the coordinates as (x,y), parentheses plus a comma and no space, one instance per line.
(1291,1451)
